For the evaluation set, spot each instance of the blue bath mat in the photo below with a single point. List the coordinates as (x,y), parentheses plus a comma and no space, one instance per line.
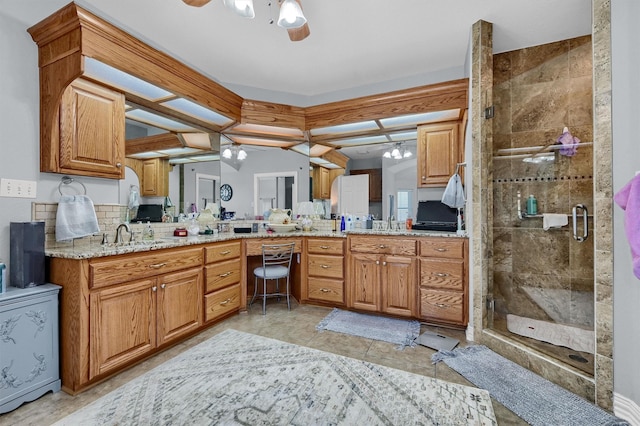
(538,401)
(401,332)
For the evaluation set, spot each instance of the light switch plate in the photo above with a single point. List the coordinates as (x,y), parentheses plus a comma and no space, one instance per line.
(17,188)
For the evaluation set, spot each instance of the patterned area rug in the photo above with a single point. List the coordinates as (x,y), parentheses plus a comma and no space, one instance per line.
(236,378)
(401,332)
(537,400)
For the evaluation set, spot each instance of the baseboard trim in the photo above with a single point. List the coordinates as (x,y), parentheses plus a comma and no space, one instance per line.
(469,333)
(626,409)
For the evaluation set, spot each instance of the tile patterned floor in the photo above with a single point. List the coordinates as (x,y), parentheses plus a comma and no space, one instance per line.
(295,326)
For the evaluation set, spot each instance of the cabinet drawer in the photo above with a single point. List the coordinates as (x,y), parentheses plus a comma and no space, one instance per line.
(221,274)
(443,274)
(129,267)
(326,290)
(382,245)
(222,251)
(221,302)
(445,306)
(325,246)
(254,247)
(449,248)
(326,266)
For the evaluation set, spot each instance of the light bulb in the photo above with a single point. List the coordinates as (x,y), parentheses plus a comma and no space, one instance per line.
(396,153)
(226,153)
(387,154)
(242,154)
(407,154)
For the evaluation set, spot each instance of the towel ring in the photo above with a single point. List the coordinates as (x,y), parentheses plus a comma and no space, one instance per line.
(66,180)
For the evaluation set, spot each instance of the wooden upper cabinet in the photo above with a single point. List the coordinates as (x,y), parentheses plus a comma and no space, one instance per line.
(321,183)
(439,148)
(155,178)
(89,140)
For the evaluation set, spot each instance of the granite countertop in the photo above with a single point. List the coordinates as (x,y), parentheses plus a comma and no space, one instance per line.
(92,249)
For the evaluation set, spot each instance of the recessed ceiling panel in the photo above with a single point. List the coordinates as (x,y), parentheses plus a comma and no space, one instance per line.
(122,80)
(360,141)
(268,130)
(194,110)
(159,121)
(362,126)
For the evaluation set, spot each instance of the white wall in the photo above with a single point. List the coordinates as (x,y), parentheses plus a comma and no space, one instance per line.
(625,37)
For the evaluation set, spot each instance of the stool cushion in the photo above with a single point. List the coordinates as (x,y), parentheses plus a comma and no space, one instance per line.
(271,272)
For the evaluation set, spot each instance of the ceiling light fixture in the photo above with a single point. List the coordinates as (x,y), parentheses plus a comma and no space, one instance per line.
(291,15)
(234,152)
(243,8)
(398,152)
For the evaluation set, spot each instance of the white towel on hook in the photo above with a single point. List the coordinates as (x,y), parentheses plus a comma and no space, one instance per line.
(453,195)
(75,218)
(554,220)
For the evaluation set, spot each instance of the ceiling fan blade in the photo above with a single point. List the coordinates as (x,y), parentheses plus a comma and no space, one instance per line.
(196,3)
(298,34)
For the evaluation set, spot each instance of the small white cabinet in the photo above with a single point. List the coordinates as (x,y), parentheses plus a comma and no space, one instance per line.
(29,357)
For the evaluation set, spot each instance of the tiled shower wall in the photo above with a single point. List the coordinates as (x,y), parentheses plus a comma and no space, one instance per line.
(538,91)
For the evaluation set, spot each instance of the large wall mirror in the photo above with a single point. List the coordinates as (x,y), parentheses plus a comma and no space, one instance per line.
(280,174)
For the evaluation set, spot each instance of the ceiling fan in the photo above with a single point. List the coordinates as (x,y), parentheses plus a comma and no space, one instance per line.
(291,17)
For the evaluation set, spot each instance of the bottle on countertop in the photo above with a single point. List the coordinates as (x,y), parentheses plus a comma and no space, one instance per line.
(343,224)
(532,205)
(148,232)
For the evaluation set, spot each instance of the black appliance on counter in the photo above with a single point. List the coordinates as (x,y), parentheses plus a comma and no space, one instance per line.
(433,215)
(149,213)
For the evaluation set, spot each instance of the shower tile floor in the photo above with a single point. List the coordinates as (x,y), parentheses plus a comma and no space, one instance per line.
(296,326)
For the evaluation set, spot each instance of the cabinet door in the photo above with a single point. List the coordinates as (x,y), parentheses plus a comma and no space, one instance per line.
(438,153)
(321,183)
(179,304)
(399,285)
(91,132)
(122,325)
(364,282)
(155,178)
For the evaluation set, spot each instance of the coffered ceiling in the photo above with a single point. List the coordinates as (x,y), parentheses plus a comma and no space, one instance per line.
(356,48)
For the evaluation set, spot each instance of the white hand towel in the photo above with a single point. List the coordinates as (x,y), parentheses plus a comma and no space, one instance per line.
(554,220)
(75,218)
(453,195)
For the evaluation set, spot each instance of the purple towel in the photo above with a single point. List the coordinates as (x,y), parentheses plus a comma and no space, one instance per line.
(569,143)
(629,199)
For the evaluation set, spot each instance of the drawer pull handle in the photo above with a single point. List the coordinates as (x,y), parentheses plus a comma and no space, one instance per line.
(325,266)
(382,246)
(157,265)
(225,302)
(442,305)
(226,274)
(324,247)
(324,290)
(226,252)
(440,274)
(441,250)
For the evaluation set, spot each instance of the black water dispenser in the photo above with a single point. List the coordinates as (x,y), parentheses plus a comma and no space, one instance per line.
(27,266)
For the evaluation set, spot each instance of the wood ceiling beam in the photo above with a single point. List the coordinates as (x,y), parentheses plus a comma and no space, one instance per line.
(272,114)
(431,98)
(152,143)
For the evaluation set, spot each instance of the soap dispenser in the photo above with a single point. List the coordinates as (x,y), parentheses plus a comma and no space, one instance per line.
(148,232)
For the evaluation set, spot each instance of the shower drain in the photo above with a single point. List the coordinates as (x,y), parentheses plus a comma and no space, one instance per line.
(578,358)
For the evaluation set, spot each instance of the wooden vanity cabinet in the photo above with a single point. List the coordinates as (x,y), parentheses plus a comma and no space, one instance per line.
(443,281)
(223,274)
(325,270)
(89,138)
(382,274)
(118,309)
(439,149)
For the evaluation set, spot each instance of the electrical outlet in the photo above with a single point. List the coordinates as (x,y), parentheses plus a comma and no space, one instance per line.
(17,188)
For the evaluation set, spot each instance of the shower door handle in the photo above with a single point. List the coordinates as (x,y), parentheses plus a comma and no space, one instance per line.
(585,222)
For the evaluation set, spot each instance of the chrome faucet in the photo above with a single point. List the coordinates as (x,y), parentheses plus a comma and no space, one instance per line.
(124,225)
